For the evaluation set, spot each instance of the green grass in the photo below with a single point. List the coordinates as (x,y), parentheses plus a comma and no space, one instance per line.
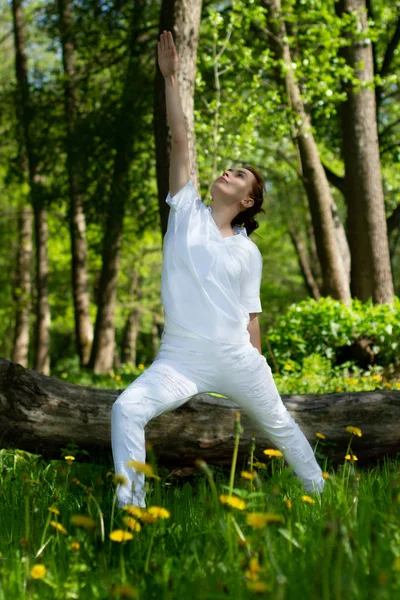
(344,545)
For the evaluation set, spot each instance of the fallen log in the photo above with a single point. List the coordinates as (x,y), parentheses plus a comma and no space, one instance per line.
(43,414)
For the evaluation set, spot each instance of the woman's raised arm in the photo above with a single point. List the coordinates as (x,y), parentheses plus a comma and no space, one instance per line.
(179,171)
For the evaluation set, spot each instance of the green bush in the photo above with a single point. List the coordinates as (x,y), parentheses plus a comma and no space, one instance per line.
(325,325)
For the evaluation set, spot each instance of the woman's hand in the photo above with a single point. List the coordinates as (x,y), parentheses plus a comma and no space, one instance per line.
(167,55)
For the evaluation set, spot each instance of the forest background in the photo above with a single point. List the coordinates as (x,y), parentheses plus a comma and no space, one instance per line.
(84,160)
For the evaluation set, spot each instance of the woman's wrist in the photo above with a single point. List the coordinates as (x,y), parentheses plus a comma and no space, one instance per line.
(171,79)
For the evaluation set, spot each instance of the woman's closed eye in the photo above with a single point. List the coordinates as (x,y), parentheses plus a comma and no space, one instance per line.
(240,174)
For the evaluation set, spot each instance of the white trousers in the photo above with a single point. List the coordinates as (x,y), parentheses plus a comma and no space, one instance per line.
(188,365)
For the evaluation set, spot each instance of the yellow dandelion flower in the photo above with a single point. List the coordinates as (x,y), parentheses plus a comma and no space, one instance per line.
(38,571)
(363,379)
(69,458)
(84,521)
(308,499)
(247,475)
(255,520)
(132,523)
(288,368)
(141,367)
(232,501)
(159,512)
(134,511)
(53,510)
(349,457)
(320,435)
(252,575)
(75,546)
(260,465)
(253,569)
(288,503)
(326,475)
(58,527)
(254,564)
(272,452)
(120,480)
(147,517)
(140,467)
(259,520)
(376,377)
(354,430)
(119,535)
(118,377)
(259,587)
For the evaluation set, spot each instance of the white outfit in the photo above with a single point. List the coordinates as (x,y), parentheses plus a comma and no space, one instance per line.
(210,284)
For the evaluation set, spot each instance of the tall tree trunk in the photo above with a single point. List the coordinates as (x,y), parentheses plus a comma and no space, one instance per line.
(182,17)
(341,239)
(42,334)
(371,274)
(42,329)
(335,281)
(77,221)
(22,289)
(156,335)
(102,355)
(304,264)
(132,326)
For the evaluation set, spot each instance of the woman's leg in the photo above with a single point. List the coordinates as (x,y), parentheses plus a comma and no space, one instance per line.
(247,380)
(161,388)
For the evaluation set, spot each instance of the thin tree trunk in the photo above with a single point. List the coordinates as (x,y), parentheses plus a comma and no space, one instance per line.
(182,17)
(155,333)
(42,333)
(42,329)
(77,221)
(341,239)
(102,355)
(312,250)
(371,275)
(22,289)
(132,326)
(335,281)
(304,264)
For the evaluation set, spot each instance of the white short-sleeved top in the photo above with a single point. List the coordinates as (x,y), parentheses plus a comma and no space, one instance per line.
(210,283)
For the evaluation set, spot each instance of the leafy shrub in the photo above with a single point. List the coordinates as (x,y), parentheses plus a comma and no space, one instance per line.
(324,326)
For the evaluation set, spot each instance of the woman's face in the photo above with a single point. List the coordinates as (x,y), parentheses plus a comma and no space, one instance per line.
(233,186)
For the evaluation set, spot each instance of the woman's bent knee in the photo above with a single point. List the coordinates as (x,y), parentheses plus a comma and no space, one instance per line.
(131,402)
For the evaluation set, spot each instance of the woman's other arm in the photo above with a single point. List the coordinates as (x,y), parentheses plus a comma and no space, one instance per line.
(254,330)
(179,169)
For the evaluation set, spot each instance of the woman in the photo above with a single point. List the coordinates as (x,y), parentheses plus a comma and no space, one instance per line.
(211,279)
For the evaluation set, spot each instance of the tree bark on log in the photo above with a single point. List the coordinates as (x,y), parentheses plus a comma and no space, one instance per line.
(44,414)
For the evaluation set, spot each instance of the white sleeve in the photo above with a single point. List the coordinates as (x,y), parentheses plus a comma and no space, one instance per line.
(182,199)
(251,282)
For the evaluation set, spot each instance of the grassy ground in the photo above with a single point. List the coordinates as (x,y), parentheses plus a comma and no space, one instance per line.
(208,538)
